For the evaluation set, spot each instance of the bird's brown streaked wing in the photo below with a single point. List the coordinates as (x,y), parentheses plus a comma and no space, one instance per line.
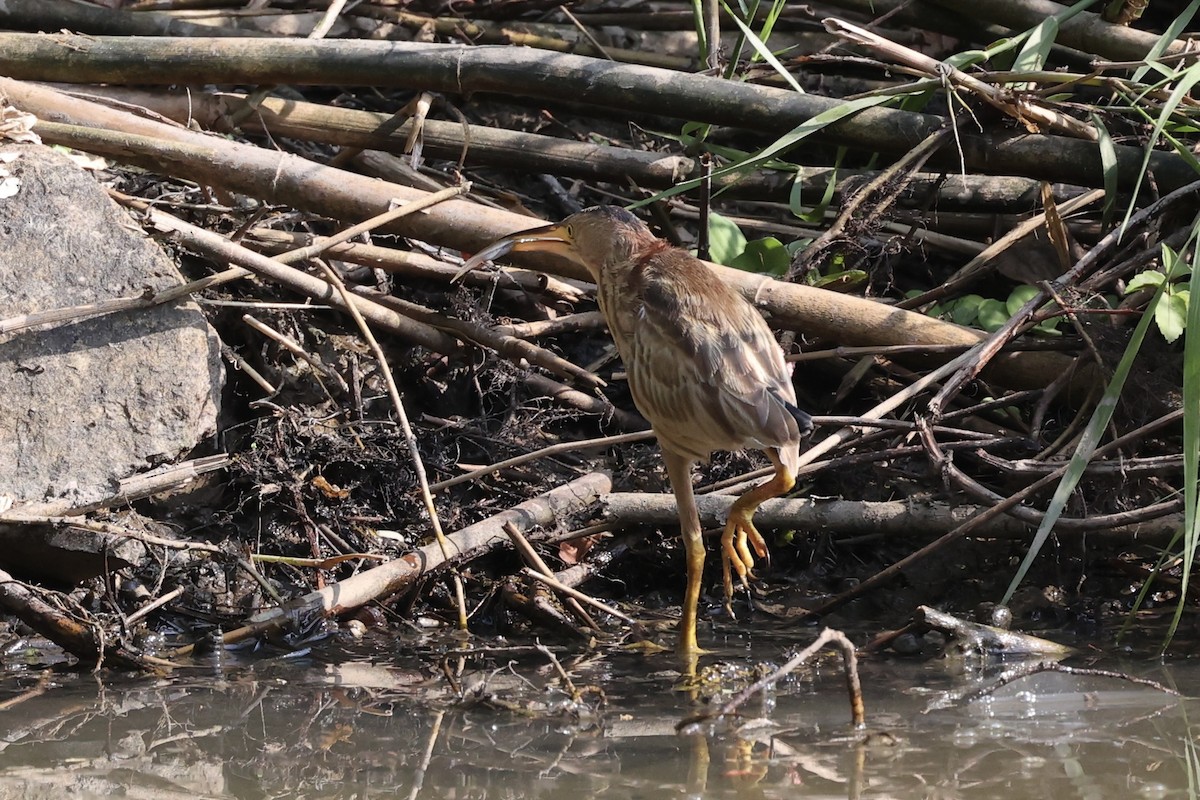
(706,339)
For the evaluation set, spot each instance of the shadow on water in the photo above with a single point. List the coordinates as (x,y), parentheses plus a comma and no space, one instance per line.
(395,719)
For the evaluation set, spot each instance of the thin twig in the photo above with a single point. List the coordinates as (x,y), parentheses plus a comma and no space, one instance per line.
(535,561)
(558,586)
(849,667)
(545,452)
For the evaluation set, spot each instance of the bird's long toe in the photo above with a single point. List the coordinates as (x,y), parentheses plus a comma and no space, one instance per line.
(739,535)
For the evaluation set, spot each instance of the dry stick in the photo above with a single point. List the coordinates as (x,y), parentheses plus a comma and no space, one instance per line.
(387,579)
(558,586)
(889,518)
(109,306)
(992,345)
(512,348)
(1020,107)
(377,221)
(1026,670)
(534,560)
(545,452)
(154,604)
(218,247)
(409,437)
(858,713)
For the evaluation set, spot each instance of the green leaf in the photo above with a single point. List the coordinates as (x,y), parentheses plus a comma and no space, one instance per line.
(1167,39)
(725,239)
(1019,297)
(1170,315)
(965,310)
(992,315)
(1151,278)
(1036,49)
(765,256)
(1108,165)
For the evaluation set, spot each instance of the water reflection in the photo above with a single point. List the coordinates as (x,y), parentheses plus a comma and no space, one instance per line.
(325,726)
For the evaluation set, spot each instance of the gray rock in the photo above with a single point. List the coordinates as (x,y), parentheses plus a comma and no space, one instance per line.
(89,402)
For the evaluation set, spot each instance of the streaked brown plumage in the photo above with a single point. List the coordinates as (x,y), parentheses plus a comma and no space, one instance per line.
(703,367)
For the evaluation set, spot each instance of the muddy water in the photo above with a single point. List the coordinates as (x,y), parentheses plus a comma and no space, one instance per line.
(389,718)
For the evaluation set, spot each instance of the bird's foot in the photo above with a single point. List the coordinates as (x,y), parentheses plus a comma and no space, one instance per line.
(735,554)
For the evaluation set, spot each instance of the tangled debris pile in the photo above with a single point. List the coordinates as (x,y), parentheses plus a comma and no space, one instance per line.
(951,398)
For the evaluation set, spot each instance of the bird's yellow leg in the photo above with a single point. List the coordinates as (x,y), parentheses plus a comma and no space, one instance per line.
(735,555)
(679,470)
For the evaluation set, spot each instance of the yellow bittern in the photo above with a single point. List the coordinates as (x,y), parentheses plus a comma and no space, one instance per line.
(703,368)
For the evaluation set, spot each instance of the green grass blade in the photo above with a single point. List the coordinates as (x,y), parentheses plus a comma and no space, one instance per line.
(761,48)
(1191,437)
(1108,164)
(1169,35)
(1187,80)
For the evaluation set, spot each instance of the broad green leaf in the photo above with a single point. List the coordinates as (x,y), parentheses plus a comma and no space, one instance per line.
(1170,315)
(1150,277)
(1036,49)
(992,315)
(1019,297)
(965,310)
(766,256)
(1108,165)
(725,239)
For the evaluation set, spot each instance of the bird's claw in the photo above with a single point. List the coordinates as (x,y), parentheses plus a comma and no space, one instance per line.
(736,557)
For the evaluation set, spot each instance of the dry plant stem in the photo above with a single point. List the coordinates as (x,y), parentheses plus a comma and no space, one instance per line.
(299,183)
(243,366)
(992,345)
(512,348)
(829,636)
(625,420)
(101,307)
(419,265)
(534,560)
(153,605)
(220,248)
(377,221)
(464,70)
(409,437)
(893,518)
(545,452)
(1020,107)
(387,579)
(567,591)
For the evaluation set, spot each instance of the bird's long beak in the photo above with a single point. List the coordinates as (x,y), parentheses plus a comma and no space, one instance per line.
(548,239)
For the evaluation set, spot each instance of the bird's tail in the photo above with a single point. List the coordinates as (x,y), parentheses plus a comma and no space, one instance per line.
(802,417)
